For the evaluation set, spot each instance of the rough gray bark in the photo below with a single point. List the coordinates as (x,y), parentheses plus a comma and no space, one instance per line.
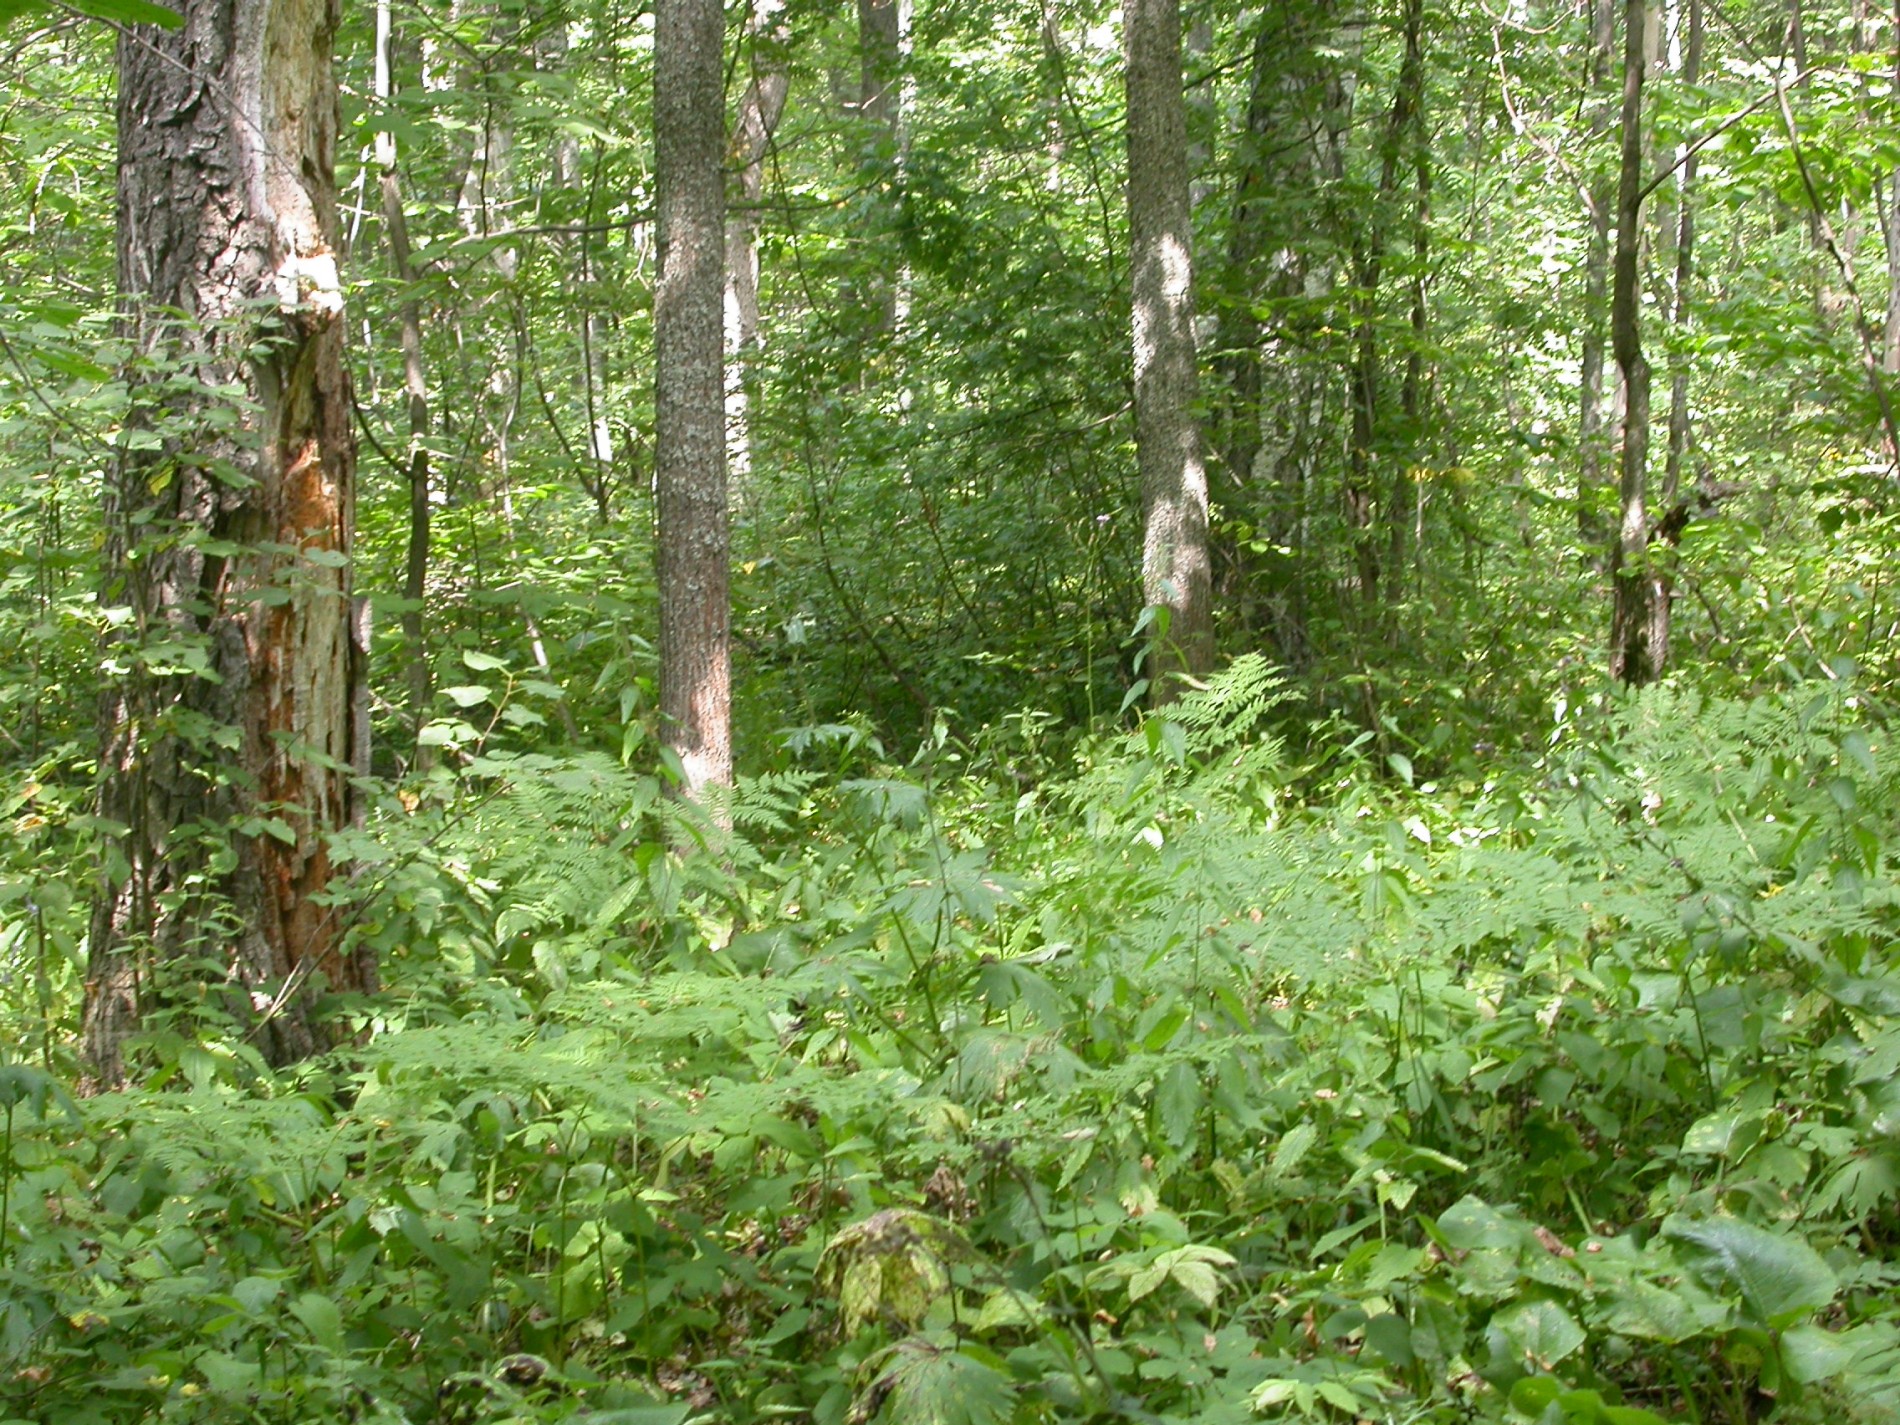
(689,395)
(234,722)
(1175,569)
(1639,620)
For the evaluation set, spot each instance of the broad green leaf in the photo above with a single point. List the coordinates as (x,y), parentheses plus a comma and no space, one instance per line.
(1811,1354)
(1780,1279)
(1178,1100)
(931,1385)
(1650,1312)
(1471,1223)
(1540,1332)
(467,695)
(320,1318)
(255,1293)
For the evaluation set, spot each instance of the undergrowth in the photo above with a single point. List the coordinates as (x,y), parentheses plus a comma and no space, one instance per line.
(1161,1087)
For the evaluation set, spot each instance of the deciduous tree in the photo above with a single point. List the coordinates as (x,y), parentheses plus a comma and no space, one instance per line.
(1175,569)
(234,720)
(689,394)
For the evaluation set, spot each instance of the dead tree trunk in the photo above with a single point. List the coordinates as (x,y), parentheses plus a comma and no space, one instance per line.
(235,719)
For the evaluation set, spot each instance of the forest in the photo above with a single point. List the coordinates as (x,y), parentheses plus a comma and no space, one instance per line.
(925,712)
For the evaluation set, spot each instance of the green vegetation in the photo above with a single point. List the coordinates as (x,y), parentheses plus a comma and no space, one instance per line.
(1405,1021)
(1196,1081)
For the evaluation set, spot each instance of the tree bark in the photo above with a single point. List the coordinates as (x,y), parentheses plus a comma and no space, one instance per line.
(1363,379)
(1591,443)
(1890,231)
(1637,655)
(1175,570)
(1271,405)
(236,719)
(415,388)
(1679,414)
(689,394)
(759,112)
(880,55)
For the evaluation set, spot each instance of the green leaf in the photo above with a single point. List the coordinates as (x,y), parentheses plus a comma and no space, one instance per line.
(1811,1354)
(482,662)
(925,1384)
(1339,1396)
(1540,1332)
(467,695)
(1390,1337)
(1535,1394)
(1780,1279)
(1178,1100)
(255,1293)
(1471,1223)
(1649,1312)
(321,1319)
(11,10)
(1290,1149)
(130,12)
(1855,749)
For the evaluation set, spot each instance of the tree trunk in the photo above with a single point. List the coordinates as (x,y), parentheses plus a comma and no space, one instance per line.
(416,389)
(880,55)
(1273,403)
(759,111)
(1691,72)
(1636,654)
(1175,571)
(689,394)
(230,734)
(1591,444)
(1408,98)
(1890,333)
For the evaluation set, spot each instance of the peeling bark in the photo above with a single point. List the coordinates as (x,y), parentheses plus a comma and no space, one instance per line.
(231,732)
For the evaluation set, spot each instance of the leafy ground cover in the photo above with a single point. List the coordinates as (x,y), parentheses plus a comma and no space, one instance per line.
(1173,1075)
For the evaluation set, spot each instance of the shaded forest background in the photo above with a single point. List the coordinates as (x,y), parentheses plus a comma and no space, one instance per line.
(1421,1019)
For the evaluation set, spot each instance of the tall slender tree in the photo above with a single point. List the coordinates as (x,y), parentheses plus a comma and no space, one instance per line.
(1636,651)
(1599,196)
(689,396)
(759,111)
(1175,570)
(415,386)
(235,718)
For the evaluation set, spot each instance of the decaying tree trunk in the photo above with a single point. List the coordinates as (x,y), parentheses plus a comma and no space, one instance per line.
(234,720)
(1175,570)
(689,124)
